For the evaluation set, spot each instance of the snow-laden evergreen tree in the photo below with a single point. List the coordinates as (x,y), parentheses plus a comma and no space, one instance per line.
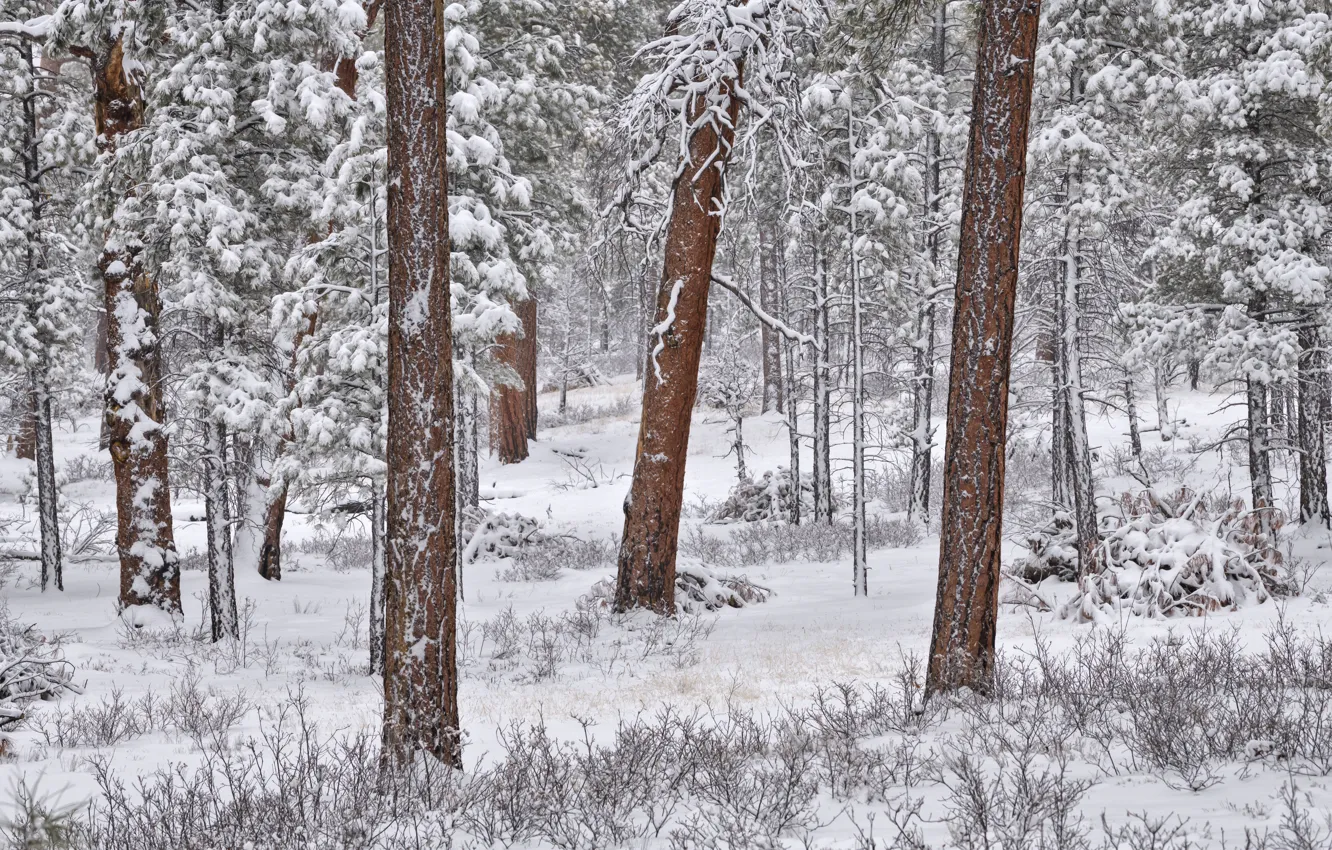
(1246,241)
(45,301)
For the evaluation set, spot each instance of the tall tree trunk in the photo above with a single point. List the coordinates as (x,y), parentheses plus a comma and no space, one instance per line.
(217,509)
(769,232)
(823,500)
(922,396)
(859,532)
(420,607)
(1313,447)
(791,392)
(1080,489)
(1163,423)
(1260,460)
(508,405)
(527,362)
(135,407)
(646,569)
(966,609)
(48,509)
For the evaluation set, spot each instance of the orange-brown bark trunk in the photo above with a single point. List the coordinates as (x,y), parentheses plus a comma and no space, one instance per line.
(646,574)
(966,610)
(420,618)
(135,407)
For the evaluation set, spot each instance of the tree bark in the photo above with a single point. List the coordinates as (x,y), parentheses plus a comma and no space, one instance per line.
(217,508)
(420,614)
(769,231)
(48,509)
(823,500)
(962,646)
(376,618)
(135,407)
(646,569)
(25,447)
(508,407)
(1313,448)
(527,363)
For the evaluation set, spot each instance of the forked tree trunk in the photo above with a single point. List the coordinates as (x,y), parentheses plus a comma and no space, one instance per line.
(420,613)
(966,609)
(508,405)
(217,509)
(527,362)
(135,408)
(1313,449)
(646,569)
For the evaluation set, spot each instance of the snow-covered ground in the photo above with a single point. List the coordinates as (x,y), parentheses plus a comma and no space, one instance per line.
(308,631)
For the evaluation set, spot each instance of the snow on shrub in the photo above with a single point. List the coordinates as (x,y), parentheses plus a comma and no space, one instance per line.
(767,499)
(1179,556)
(1051,551)
(697,589)
(499,535)
(30,669)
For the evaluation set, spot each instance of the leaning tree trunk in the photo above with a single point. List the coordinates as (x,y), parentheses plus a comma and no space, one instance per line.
(527,363)
(962,645)
(1313,449)
(217,509)
(508,405)
(135,407)
(420,613)
(646,570)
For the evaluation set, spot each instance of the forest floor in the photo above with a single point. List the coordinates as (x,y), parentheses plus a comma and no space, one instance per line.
(306,634)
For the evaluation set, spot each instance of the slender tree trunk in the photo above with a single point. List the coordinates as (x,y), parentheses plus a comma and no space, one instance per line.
(859,532)
(791,392)
(823,500)
(376,577)
(508,403)
(1195,372)
(1080,489)
(469,484)
(769,340)
(1313,447)
(922,397)
(1163,423)
(1260,460)
(966,610)
(48,509)
(135,408)
(420,593)
(217,508)
(1131,407)
(646,570)
(527,362)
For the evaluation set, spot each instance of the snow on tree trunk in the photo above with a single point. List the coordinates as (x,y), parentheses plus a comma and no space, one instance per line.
(791,392)
(962,647)
(135,407)
(1163,423)
(646,568)
(1313,449)
(823,500)
(25,447)
(217,509)
(922,386)
(1074,465)
(47,495)
(859,541)
(770,239)
(420,613)
(1131,410)
(527,362)
(508,405)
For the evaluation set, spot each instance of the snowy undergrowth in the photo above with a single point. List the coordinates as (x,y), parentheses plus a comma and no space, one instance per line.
(852,766)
